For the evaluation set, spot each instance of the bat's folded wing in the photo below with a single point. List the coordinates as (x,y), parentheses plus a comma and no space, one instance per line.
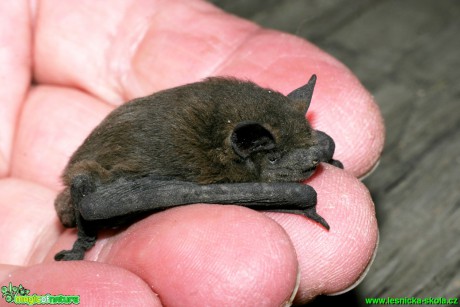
(149,194)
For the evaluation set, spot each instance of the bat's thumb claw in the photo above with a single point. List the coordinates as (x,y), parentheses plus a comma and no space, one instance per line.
(312,214)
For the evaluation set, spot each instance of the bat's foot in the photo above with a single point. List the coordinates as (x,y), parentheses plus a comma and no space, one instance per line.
(67,255)
(86,239)
(78,250)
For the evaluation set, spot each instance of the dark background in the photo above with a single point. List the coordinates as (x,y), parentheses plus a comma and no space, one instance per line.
(407,54)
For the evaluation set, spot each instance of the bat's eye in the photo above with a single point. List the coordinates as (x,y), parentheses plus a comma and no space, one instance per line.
(273,157)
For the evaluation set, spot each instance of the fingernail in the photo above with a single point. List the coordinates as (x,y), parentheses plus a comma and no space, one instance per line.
(294,292)
(376,165)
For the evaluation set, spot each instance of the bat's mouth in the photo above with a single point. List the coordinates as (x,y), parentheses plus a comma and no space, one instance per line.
(302,175)
(307,173)
(311,169)
(288,175)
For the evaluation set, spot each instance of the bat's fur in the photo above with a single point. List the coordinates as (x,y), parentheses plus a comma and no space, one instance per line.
(221,130)
(184,133)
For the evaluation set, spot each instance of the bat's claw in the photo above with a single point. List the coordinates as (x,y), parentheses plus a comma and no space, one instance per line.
(312,214)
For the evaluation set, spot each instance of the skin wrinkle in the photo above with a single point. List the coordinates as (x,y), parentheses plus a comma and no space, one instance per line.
(227,59)
(30,194)
(44,235)
(15,133)
(222,47)
(4,169)
(122,52)
(232,48)
(275,61)
(14,56)
(32,12)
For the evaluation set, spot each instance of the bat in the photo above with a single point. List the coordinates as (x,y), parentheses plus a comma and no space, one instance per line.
(218,141)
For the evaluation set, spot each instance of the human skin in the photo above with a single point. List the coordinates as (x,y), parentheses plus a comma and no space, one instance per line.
(88,57)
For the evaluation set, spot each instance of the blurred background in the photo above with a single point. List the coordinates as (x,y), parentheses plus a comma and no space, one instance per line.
(407,54)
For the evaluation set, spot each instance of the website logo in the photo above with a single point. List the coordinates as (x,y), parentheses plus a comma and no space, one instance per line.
(20,296)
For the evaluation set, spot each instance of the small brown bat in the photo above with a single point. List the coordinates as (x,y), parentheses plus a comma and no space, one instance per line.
(221,140)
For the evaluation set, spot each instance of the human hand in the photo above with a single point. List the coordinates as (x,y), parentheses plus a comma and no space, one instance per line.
(89,57)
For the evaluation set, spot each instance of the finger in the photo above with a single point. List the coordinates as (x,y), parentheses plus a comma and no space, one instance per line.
(29,226)
(129,49)
(53,123)
(6,269)
(206,255)
(152,50)
(332,261)
(88,280)
(15,64)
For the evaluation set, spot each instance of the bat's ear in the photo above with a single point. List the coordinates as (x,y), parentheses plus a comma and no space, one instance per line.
(249,137)
(303,94)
